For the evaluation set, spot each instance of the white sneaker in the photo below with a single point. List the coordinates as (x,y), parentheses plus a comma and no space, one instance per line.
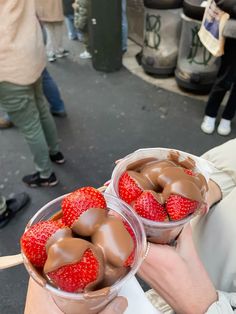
(224,127)
(85,55)
(52,58)
(208,125)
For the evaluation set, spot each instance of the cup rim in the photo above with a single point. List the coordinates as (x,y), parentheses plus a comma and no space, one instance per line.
(79,296)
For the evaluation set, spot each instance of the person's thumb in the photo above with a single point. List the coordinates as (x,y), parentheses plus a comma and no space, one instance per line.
(117,306)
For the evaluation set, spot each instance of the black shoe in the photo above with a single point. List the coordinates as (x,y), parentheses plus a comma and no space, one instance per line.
(13,205)
(34,180)
(59,114)
(58,158)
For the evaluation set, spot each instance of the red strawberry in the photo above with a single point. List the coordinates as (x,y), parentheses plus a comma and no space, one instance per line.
(179,207)
(128,189)
(147,206)
(79,201)
(130,259)
(34,240)
(75,277)
(189,172)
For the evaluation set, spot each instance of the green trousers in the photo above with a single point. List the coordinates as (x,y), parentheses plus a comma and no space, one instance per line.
(29,111)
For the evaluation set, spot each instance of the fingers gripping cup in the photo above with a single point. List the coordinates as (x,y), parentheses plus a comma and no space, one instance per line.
(166,187)
(104,258)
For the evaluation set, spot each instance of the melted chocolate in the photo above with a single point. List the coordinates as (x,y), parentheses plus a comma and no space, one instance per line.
(169,177)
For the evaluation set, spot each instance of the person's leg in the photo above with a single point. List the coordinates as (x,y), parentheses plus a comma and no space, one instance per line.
(51,42)
(46,119)
(20,103)
(217,94)
(52,94)
(69,21)
(222,84)
(58,30)
(230,108)
(225,78)
(86,54)
(124,25)
(224,127)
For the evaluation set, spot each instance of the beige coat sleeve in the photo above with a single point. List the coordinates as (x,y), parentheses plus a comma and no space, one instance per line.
(49,10)
(223,158)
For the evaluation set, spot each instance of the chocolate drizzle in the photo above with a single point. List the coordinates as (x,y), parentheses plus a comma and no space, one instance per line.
(169,177)
(109,241)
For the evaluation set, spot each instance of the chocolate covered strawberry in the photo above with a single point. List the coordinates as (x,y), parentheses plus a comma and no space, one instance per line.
(79,201)
(148,206)
(179,207)
(73,265)
(128,188)
(34,241)
(130,259)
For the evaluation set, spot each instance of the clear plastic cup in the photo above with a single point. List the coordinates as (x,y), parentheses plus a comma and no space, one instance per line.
(82,303)
(160,232)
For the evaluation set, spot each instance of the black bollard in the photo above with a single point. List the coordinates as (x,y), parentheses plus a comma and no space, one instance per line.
(105,35)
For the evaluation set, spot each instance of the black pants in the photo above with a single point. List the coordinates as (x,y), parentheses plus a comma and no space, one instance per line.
(226,80)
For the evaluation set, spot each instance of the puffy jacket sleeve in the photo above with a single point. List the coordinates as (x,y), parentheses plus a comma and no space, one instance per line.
(81,15)
(228,6)
(226,304)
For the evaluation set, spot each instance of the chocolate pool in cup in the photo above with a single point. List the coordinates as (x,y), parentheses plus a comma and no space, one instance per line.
(167,231)
(91,302)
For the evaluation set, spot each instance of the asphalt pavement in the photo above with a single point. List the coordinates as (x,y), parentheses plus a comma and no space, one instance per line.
(109,116)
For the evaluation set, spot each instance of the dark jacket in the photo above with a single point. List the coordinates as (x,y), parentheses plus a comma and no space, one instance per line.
(67,7)
(228,6)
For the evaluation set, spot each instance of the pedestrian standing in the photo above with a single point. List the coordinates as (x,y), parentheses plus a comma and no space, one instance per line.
(22,60)
(226,81)
(73,33)
(50,13)
(81,23)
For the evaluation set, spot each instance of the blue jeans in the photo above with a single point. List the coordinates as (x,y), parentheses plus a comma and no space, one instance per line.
(73,33)
(52,93)
(124,25)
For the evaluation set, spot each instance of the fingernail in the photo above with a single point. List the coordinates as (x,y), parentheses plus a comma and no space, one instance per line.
(120,305)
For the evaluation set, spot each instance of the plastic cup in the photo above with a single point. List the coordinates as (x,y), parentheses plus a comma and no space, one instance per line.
(82,303)
(159,232)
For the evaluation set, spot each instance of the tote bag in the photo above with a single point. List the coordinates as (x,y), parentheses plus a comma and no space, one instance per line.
(211,30)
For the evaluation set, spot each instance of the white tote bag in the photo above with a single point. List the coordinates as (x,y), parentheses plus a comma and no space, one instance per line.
(211,30)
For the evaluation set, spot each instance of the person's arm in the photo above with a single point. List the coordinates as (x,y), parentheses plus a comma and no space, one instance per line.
(223,159)
(214,194)
(178,276)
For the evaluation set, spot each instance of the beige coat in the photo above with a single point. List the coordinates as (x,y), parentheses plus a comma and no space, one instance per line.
(22,52)
(49,10)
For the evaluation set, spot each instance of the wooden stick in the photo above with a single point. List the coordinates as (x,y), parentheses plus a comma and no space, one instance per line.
(10,261)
